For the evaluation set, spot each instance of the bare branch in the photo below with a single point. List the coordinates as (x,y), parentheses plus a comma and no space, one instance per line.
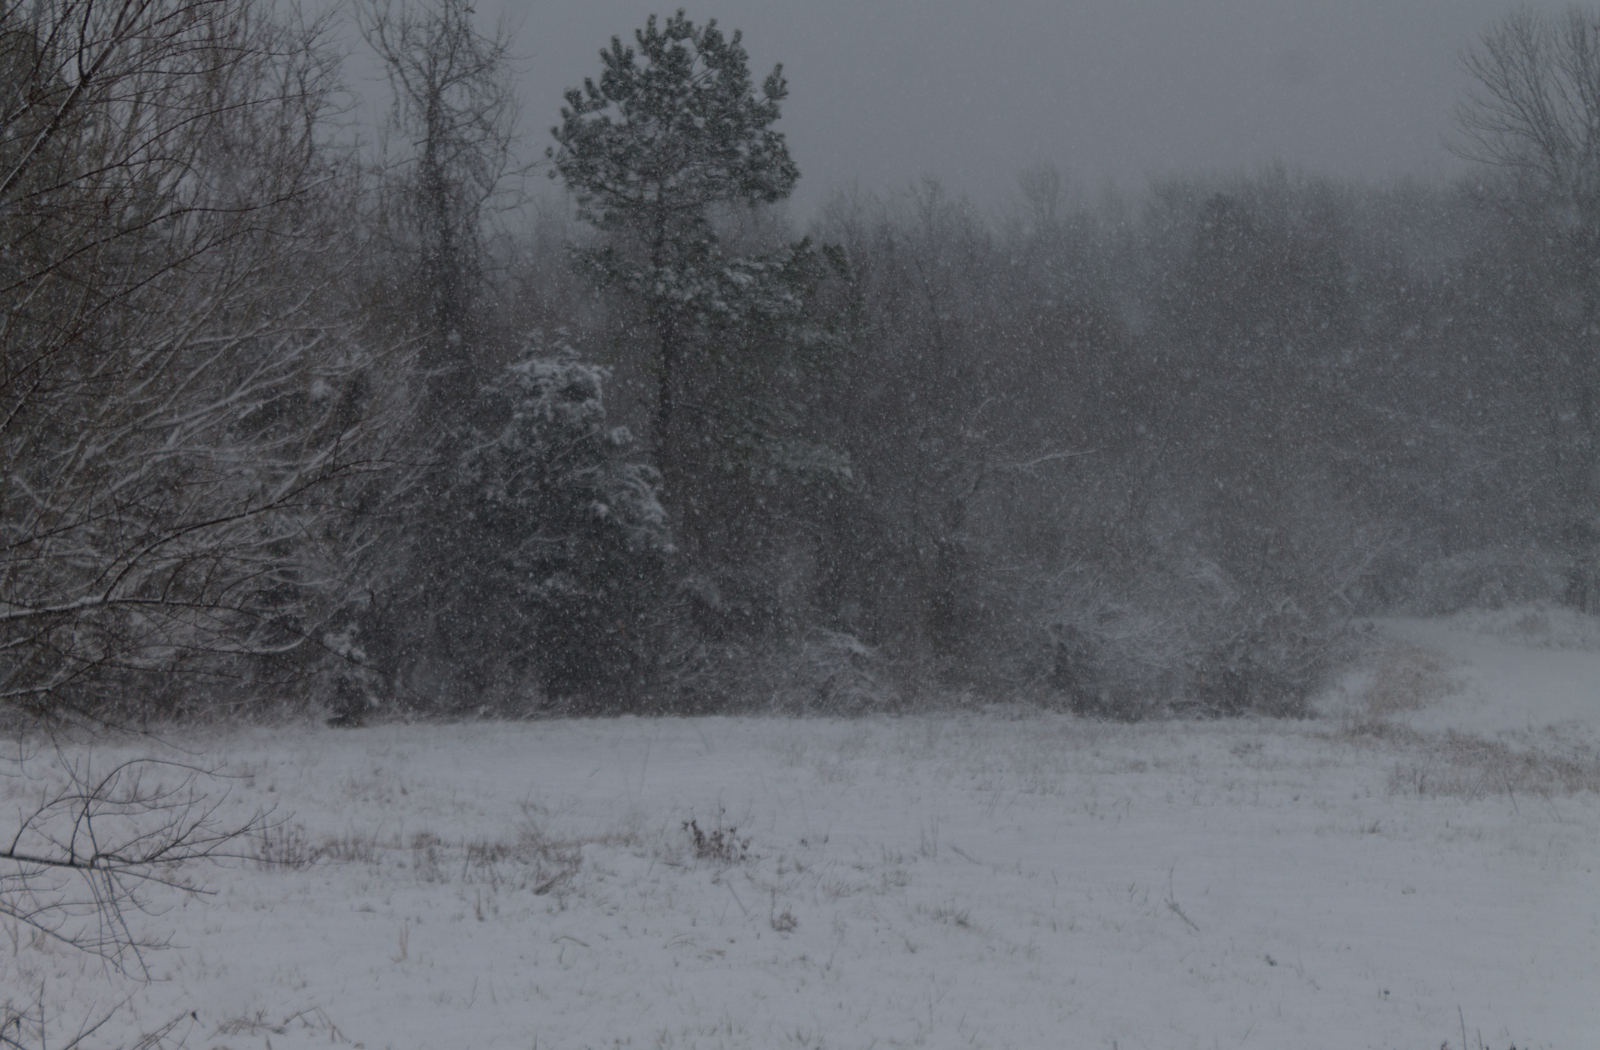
(191,450)
(84,857)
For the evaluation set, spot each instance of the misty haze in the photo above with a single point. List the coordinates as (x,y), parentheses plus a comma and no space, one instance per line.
(892,524)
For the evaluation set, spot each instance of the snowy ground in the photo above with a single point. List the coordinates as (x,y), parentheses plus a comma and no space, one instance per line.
(1419,863)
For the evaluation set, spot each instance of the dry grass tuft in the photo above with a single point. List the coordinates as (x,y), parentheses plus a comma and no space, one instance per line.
(531,859)
(721,844)
(354,848)
(1470,767)
(1406,679)
(1456,764)
(285,847)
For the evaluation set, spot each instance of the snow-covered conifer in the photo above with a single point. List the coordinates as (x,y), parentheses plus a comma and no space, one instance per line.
(564,531)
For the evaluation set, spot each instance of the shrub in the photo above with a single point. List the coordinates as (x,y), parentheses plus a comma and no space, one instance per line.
(1186,639)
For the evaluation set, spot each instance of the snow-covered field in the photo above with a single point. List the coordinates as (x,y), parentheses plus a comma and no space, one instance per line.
(1419,864)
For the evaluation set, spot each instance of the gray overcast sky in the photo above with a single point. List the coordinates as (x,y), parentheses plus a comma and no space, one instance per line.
(885,91)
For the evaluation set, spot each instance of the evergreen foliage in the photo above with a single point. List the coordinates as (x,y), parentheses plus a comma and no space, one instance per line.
(565,535)
(666,155)
(670,132)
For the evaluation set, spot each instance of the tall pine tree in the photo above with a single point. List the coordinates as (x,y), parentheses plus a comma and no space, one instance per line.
(673,129)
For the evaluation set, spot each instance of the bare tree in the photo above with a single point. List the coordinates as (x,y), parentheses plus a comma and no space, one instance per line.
(448,168)
(185,421)
(1533,112)
(1534,107)
(954,408)
(456,110)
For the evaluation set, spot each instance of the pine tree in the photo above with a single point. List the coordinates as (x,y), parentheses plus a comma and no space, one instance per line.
(567,535)
(671,131)
(672,144)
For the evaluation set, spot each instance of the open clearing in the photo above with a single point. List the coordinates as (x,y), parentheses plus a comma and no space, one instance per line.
(1417,863)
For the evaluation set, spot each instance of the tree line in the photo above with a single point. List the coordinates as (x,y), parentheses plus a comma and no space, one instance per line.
(288,417)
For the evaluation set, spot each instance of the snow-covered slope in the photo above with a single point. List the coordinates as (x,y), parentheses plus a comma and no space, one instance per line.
(1526,668)
(1422,862)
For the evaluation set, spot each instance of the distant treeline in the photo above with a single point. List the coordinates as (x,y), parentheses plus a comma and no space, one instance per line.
(283,423)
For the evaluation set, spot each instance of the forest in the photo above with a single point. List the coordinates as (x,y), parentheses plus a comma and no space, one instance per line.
(428,419)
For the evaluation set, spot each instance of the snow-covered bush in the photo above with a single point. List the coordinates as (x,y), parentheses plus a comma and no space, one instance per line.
(560,535)
(1113,659)
(1181,637)
(1264,654)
